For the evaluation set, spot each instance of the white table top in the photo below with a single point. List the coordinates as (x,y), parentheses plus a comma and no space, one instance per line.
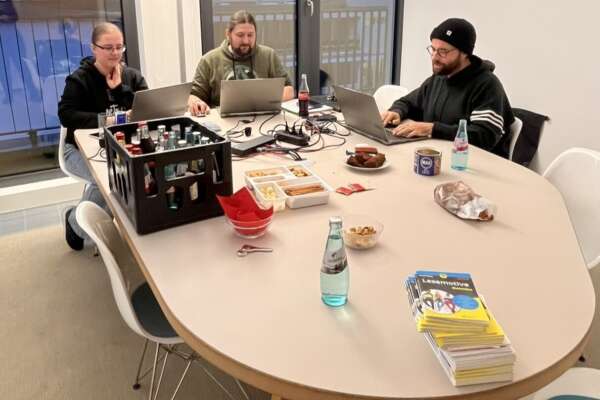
(261,318)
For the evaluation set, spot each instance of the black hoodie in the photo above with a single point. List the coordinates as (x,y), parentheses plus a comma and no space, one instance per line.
(474,94)
(86,94)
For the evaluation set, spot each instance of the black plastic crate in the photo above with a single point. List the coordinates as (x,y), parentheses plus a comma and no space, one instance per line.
(194,195)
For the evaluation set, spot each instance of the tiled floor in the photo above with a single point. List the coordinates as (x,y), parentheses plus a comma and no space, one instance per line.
(33,218)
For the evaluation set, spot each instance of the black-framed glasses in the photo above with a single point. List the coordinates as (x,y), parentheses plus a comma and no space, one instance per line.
(110,49)
(440,52)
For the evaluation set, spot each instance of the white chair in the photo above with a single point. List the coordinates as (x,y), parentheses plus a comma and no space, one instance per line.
(138,307)
(515,130)
(576,174)
(61,156)
(385,95)
(574,382)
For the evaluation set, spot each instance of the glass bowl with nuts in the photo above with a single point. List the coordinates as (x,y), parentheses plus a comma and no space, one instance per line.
(361,231)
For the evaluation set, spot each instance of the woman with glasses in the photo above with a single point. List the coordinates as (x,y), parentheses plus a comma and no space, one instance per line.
(101,81)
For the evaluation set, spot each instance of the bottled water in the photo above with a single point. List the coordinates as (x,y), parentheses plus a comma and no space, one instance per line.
(334,271)
(460,151)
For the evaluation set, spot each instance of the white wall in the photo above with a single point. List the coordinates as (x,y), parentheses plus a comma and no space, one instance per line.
(545,54)
(169,37)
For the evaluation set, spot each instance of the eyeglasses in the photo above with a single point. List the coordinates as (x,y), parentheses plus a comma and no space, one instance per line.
(440,52)
(110,49)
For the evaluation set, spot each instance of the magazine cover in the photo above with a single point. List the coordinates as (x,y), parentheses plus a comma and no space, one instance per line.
(450,297)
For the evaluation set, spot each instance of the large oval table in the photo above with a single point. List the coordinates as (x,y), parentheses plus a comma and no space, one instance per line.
(261,319)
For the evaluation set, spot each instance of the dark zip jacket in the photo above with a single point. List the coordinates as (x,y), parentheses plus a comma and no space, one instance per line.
(86,94)
(474,94)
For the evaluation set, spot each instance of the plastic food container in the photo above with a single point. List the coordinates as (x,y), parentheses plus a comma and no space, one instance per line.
(361,232)
(294,186)
(299,171)
(264,175)
(304,192)
(269,194)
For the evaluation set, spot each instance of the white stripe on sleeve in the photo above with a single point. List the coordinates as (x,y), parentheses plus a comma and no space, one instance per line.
(490,113)
(489,120)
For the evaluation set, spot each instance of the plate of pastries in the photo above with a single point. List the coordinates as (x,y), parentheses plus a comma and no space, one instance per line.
(366,158)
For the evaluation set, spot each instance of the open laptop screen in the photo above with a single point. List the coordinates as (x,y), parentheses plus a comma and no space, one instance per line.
(251,96)
(168,101)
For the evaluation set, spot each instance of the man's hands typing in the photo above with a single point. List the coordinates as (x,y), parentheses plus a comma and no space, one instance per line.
(197,107)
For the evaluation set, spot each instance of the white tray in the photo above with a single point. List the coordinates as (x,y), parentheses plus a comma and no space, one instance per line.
(291,176)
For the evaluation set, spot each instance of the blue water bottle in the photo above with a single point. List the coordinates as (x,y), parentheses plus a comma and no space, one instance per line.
(334,270)
(460,151)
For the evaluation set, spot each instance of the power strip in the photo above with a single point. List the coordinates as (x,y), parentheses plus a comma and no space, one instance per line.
(298,140)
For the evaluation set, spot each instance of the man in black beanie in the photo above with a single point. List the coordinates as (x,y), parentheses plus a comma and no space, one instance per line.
(462,87)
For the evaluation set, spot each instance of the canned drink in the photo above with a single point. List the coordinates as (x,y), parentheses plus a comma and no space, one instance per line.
(428,161)
(121,117)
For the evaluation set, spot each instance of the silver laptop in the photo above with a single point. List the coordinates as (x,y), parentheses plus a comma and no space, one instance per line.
(362,116)
(251,96)
(168,101)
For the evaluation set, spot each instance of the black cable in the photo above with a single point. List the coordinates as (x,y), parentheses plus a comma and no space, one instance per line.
(263,123)
(101,153)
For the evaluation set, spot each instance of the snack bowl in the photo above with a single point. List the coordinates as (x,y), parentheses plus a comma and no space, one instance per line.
(249,229)
(361,232)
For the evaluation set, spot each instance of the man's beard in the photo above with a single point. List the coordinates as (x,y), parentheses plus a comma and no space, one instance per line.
(447,69)
(241,51)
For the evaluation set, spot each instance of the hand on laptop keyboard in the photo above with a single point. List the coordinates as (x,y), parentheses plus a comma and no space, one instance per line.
(197,107)
(412,129)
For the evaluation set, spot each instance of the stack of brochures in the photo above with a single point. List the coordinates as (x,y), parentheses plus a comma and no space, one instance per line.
(463,333)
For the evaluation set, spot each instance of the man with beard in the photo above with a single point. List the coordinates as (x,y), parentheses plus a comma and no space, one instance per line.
(238,57)
(462,86)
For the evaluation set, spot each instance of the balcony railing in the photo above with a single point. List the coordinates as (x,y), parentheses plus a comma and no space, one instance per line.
(355,41)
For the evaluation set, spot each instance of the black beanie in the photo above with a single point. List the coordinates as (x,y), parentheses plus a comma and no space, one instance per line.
(458,32)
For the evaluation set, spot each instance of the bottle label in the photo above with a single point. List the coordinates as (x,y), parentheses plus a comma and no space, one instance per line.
(461,145)
(334,262)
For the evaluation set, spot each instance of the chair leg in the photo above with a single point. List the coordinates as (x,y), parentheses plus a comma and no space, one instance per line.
(153,372)
(187,367)
(242,389)
(136,385)
(216,381)
(162,371)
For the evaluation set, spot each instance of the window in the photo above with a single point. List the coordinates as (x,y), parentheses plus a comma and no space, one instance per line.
(41,43)
(358,40)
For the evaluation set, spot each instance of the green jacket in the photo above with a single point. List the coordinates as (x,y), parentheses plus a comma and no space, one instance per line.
(219,64)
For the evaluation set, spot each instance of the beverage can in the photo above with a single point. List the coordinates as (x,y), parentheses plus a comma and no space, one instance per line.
(121,117)
(428,161)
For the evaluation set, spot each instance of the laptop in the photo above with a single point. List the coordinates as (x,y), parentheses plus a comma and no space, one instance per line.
(362,116)
(168,101)
(251,96)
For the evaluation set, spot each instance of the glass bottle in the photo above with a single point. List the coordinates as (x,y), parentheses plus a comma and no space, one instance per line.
(146,142)
(460,151)
(303,97)
(335,276)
